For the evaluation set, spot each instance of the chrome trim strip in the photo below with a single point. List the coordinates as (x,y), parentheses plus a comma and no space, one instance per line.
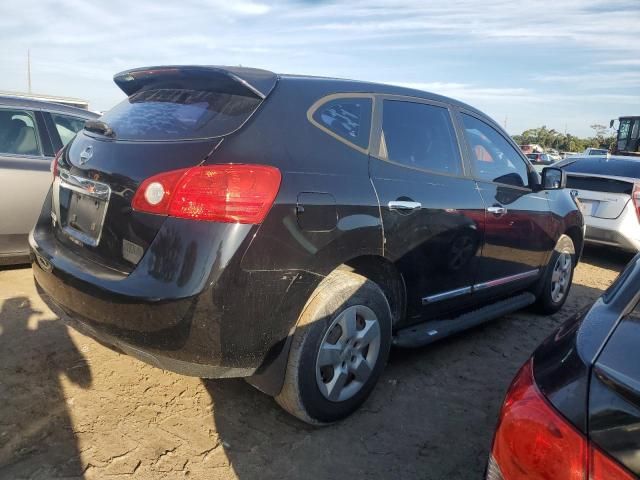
(84,186)
(503,280)
(438,297)
(446,295)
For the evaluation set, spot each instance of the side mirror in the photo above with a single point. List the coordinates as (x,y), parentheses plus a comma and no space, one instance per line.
(611,123)
(553,178)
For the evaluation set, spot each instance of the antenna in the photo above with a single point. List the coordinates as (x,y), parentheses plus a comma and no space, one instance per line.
(29,68)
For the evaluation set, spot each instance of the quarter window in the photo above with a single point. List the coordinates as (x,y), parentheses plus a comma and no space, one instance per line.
(18,134)
(420,136)
(67,126)
(348,118)
(493,157)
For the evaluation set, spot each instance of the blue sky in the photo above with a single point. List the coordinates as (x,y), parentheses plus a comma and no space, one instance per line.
(563,63)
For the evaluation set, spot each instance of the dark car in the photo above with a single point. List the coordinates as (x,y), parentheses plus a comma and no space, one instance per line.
(31,131)
(573,410)
(540,158)
(231,222)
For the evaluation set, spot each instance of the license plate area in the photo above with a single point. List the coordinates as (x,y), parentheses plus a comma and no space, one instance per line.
(82,206)
(587,207)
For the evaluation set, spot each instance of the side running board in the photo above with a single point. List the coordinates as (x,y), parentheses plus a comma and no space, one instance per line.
(433,330)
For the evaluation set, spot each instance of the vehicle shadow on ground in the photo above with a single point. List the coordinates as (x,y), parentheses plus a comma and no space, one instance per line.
(605,257)
(432,415)
(37,439)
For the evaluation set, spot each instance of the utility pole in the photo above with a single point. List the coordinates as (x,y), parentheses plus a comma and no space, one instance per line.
(505,121)
(29,68)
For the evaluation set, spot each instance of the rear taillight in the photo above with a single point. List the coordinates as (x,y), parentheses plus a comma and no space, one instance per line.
(534,441)
(54,164)
(602,467)
(635,196)
(217,193)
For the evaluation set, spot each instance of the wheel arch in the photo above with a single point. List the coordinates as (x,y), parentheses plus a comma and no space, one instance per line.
(576,235)
(387,276)
(270,377)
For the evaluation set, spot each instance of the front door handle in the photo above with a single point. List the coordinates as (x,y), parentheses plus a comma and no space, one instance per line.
(402,205)
(497,211)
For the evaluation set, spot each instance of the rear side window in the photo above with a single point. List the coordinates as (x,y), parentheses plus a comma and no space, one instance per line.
(18,133)
(179,114)
(67,126)
(348,118)
(494,159)
(421,136)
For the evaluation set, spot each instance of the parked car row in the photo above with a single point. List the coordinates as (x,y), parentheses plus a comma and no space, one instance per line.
(234,222)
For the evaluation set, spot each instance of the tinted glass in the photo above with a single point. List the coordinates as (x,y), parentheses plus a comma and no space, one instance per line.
(67,126)
(597,151)
(349,118)
(493,156)
(419,135)
(18,134)
(605,166)
(178,114)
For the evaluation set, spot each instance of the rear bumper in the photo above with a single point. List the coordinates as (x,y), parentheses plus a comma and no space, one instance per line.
(212,320)
(622,232)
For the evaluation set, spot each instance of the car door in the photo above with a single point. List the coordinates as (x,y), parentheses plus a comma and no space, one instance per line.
(24,175)
(516,242)
(431,211)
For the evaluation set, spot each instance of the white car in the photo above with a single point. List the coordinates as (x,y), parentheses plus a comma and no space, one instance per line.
(608,193)
(596,151)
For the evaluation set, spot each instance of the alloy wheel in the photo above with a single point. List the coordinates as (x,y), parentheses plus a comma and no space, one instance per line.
(348,353)
(561,277)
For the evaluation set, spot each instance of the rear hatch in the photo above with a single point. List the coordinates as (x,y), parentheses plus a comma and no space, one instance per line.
(601,197)
(173,118)
(604,186)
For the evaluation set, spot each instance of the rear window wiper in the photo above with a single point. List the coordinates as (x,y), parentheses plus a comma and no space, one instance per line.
(98,126)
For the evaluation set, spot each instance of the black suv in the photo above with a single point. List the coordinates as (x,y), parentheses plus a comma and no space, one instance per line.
(231,222)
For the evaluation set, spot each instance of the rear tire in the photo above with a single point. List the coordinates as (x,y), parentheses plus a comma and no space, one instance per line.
(339,349)
(558,276)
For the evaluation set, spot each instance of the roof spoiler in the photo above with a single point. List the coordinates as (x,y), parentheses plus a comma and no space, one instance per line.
(234,80)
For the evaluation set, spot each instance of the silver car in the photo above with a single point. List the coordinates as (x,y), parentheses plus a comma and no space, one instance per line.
(31,132)
(608,193)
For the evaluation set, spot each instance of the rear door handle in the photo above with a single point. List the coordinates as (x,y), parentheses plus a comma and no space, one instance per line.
(402,205)
(497,211)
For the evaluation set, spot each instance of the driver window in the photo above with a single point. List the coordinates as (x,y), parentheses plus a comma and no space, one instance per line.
(493,157)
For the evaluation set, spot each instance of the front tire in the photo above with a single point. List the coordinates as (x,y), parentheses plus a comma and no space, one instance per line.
(339,349)
(558,277)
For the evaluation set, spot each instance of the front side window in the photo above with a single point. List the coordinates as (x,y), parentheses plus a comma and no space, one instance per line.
(67,126)
(493,157)
(18,135)
(421,136)
(348,118)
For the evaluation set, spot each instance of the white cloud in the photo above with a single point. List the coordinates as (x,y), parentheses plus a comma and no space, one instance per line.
(480,53)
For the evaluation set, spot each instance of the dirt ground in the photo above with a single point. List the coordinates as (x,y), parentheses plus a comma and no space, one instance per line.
(70,408)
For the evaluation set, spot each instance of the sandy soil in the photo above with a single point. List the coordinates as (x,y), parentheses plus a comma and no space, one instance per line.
(70,408)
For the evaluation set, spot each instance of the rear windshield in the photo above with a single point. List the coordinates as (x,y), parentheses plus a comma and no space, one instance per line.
(179,114)
(604,166)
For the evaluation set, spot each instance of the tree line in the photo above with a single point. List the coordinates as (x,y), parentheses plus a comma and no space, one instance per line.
(550,138)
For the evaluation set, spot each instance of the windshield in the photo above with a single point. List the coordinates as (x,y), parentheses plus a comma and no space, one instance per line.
(628,135)
(178,114)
